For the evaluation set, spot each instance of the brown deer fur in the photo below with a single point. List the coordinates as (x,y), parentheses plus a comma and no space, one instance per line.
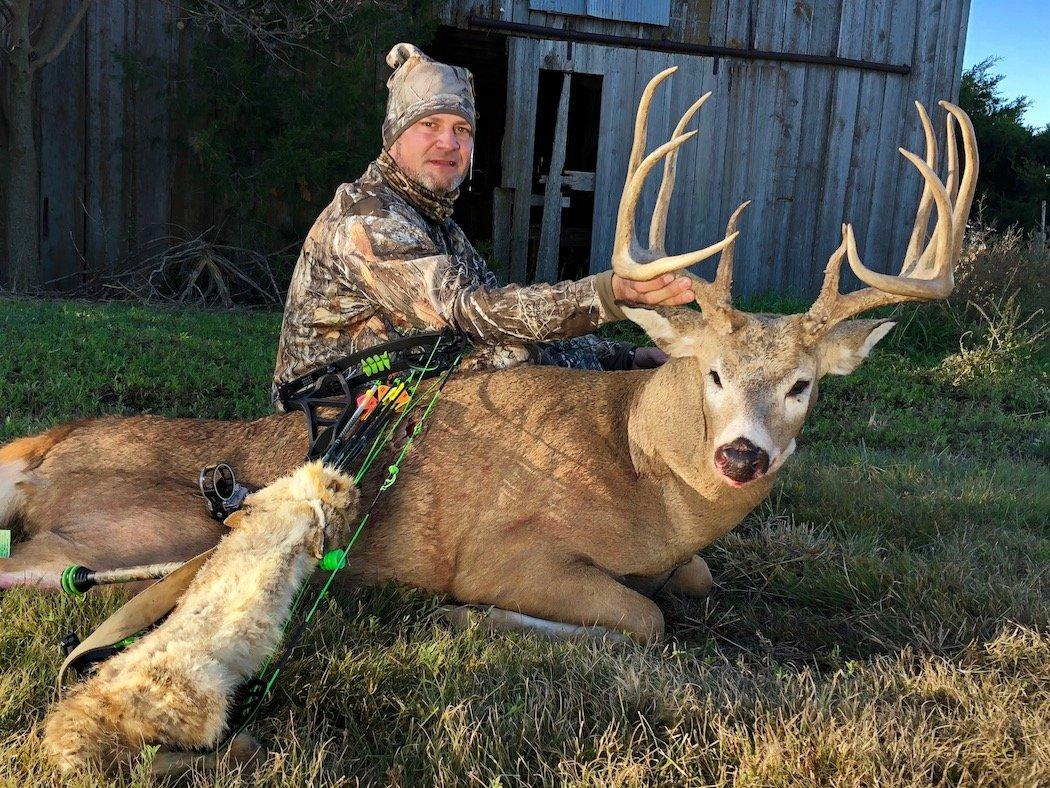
(541,490)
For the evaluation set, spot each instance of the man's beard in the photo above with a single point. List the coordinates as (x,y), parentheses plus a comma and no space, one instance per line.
(430,182)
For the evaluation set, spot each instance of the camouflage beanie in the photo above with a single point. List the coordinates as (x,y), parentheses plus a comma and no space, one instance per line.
(421,86)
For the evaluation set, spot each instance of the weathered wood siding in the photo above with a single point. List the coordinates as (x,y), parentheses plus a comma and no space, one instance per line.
(810,145)
(106,174)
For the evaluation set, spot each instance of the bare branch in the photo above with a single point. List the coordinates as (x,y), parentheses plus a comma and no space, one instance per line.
(63,39)
(275,28)
(50,22)
(7,13)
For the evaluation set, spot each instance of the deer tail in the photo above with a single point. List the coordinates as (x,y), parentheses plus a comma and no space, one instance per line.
(17,460)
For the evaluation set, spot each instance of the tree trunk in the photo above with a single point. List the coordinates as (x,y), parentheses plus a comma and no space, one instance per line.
(23,176)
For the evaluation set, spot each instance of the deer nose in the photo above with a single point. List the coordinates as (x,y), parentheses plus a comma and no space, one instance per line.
(741,460)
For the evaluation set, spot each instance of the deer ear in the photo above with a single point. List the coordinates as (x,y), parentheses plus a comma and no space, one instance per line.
(846,345)
(672,330)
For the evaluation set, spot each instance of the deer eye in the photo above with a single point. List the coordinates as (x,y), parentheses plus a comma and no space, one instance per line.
(714,378)
(798,388)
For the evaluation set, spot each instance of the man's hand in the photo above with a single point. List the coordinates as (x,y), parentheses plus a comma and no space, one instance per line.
(666,290)
(648,358)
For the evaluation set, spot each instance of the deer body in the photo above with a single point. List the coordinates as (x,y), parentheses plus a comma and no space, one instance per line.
(554,493)
(492,499)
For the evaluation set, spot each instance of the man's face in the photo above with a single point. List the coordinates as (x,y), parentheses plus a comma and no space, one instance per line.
(435,151)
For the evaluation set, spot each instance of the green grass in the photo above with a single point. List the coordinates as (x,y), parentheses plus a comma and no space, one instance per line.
(883,619)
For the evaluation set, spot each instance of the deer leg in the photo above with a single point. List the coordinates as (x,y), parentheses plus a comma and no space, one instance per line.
(692,579)
(496,619)
(244,752)
(105,521)
(37,562)
(571,592)
(108,521)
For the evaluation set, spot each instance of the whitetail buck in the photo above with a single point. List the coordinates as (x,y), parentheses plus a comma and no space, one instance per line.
(558,494)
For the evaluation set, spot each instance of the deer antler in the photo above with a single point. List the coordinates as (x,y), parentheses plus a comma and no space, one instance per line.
(633,262)
(927,271)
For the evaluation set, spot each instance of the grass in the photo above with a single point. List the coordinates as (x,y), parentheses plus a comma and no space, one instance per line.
(881,620)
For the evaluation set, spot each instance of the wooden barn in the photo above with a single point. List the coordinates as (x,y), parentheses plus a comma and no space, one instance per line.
(811,99)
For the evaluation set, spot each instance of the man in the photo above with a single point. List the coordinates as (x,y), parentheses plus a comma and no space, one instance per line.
(384,259)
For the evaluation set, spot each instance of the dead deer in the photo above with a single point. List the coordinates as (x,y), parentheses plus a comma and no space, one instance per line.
(554,494)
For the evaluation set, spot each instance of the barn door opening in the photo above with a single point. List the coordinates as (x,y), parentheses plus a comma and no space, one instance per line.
(485,56)
(565,157)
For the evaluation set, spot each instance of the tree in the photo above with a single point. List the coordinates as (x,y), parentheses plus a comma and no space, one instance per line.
(274,124)
(1015,159)
(27,48)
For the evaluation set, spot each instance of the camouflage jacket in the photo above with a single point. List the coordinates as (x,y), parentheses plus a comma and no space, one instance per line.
(380,262)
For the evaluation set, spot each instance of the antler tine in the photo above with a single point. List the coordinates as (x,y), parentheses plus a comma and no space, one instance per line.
(922,216)
(923,277)
(648,264)
(968,182)
(629,260)
(641,120)
(658,225)
(715,297)
(724,275)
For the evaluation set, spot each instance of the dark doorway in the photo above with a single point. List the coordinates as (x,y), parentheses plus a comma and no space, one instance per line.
(485,55)
(576,214)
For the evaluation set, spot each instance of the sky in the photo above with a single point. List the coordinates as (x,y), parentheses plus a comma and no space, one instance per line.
(1018,32)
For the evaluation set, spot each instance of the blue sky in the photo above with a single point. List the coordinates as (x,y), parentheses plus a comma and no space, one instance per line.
(1018,31)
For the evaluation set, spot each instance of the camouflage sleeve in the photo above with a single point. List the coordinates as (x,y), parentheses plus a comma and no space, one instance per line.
(586,352)
(610,353)
(398,264)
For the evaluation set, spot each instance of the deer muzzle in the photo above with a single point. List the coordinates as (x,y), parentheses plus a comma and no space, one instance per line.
(741,461)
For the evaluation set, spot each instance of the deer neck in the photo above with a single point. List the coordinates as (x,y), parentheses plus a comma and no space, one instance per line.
(667,426)
(670,442)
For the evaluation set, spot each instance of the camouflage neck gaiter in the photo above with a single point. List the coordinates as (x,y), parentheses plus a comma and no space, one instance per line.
(431,204)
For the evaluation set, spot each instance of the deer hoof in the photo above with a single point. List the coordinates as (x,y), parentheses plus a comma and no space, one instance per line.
(693,580)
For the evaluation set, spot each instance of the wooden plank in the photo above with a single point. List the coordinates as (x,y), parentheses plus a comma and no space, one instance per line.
(649,64)
(578,181)
(61,107)
(806,254)
(733,169)
(957,67)
(921,86)
(105,181)
(860,184)
(713,125)
(683,231)
(766,31)
(148,198)
(547,253)
(789,122)
(502,209)
(843,117)
(702,222)
(614,146)
(880,241)
(518,141)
